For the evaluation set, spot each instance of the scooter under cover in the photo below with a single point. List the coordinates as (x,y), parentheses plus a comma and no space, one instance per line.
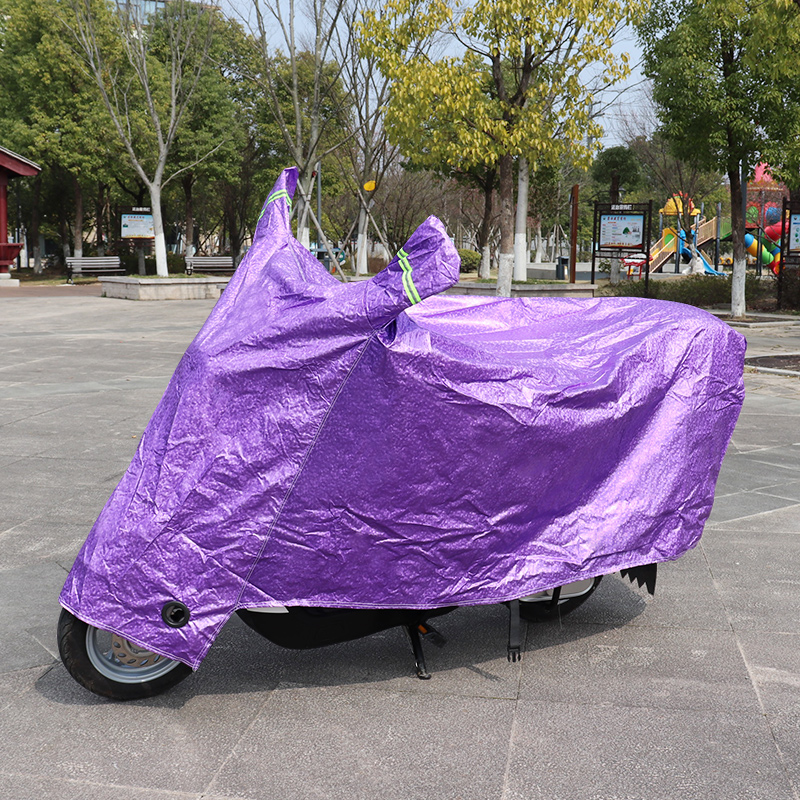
(358,445)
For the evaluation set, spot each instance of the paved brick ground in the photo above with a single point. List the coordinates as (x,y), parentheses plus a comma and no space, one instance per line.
(692,694)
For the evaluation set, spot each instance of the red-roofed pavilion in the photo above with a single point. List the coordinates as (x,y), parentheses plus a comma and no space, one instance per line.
(11,166)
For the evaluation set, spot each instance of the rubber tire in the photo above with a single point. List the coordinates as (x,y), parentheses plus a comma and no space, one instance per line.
(541,612)
(72,647)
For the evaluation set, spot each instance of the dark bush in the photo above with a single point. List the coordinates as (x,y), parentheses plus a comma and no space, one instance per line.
(703,291)
(790,291)
(470,260)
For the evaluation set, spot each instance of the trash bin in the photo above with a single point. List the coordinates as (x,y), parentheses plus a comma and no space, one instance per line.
(562,264)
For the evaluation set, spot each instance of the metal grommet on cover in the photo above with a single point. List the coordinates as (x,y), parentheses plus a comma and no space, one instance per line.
(175,614)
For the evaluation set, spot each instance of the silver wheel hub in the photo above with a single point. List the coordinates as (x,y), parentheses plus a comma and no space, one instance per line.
(122,661)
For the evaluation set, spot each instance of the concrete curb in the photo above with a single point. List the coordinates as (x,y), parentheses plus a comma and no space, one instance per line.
(163,288)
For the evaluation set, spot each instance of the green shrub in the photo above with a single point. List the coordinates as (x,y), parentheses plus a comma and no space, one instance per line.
(790,292)
(470,260)
(697,290)
(130,261)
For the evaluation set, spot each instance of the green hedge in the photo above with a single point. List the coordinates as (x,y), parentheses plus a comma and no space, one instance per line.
(470,260)
(697,290)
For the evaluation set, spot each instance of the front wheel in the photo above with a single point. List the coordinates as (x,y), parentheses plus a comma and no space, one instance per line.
(539,607)
(108,665)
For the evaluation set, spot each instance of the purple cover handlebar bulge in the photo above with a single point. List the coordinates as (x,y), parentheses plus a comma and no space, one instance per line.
(347,445)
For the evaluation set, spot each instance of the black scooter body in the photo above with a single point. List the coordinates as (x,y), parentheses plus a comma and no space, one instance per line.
(306,627)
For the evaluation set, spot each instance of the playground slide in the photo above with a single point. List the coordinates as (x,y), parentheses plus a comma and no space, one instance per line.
(686,254)
(708,267)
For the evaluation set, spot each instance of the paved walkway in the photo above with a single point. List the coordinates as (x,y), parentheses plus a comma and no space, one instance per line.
(692,694)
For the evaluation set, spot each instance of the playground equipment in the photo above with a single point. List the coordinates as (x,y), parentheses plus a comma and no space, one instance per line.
(671,238)
(664,251)
(763,218)
(686,254)
(764,245)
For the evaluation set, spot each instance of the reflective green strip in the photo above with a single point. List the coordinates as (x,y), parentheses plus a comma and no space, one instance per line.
(276,196)
(408,283)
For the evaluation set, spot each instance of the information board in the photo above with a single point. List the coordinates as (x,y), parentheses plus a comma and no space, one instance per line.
(137,226)
(621,230)
(794,233)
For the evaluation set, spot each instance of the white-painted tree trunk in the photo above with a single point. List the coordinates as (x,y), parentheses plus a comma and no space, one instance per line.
(738,306)
(38,255)
(486,262)
(361,246)
(539,256)
(158,230)
(696,264)
(505,271)
(521,223)
(615,272)
(303,228)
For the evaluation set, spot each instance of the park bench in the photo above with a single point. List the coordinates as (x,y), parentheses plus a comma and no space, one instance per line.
(209,264)
(93,265)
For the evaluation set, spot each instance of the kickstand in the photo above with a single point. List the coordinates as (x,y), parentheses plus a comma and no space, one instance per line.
(514,635)
(419,656)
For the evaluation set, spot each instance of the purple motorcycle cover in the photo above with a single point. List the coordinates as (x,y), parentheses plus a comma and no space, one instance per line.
(349,445)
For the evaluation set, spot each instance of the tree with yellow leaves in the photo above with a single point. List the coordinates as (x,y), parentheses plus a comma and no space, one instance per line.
(521,82)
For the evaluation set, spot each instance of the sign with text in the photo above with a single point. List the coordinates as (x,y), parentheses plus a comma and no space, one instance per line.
(794,233)
(137,224)
(621,230)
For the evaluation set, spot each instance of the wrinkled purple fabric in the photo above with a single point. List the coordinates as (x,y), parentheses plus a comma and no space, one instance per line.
(345,445)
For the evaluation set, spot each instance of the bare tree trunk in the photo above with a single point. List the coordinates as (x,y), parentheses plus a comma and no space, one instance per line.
(99,207)
(738,304)
(521,224)
(77,232)
(38,268)
(188,240)
(506,261)
(63,235)
(303,228)
(361,245)
(537,259)
(158,230)
(613,196)
(486,227)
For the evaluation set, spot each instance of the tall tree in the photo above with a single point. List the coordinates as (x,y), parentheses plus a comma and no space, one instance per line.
(366,153)
(50,108)
(709,70)
(300,74)
(215,122)
(147,69)
(519,88)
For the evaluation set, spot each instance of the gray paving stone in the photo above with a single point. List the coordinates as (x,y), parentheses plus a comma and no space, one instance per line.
(40,539)
(785,519)
(745,504)
(741,475)
(785,457)
(757,578)
(29,602)
(359,744)
(629,697)
(756,432)
(685,597)
(637,667)
(785,727)
(774,663)
(38,787)
(575,752)
(174,743)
